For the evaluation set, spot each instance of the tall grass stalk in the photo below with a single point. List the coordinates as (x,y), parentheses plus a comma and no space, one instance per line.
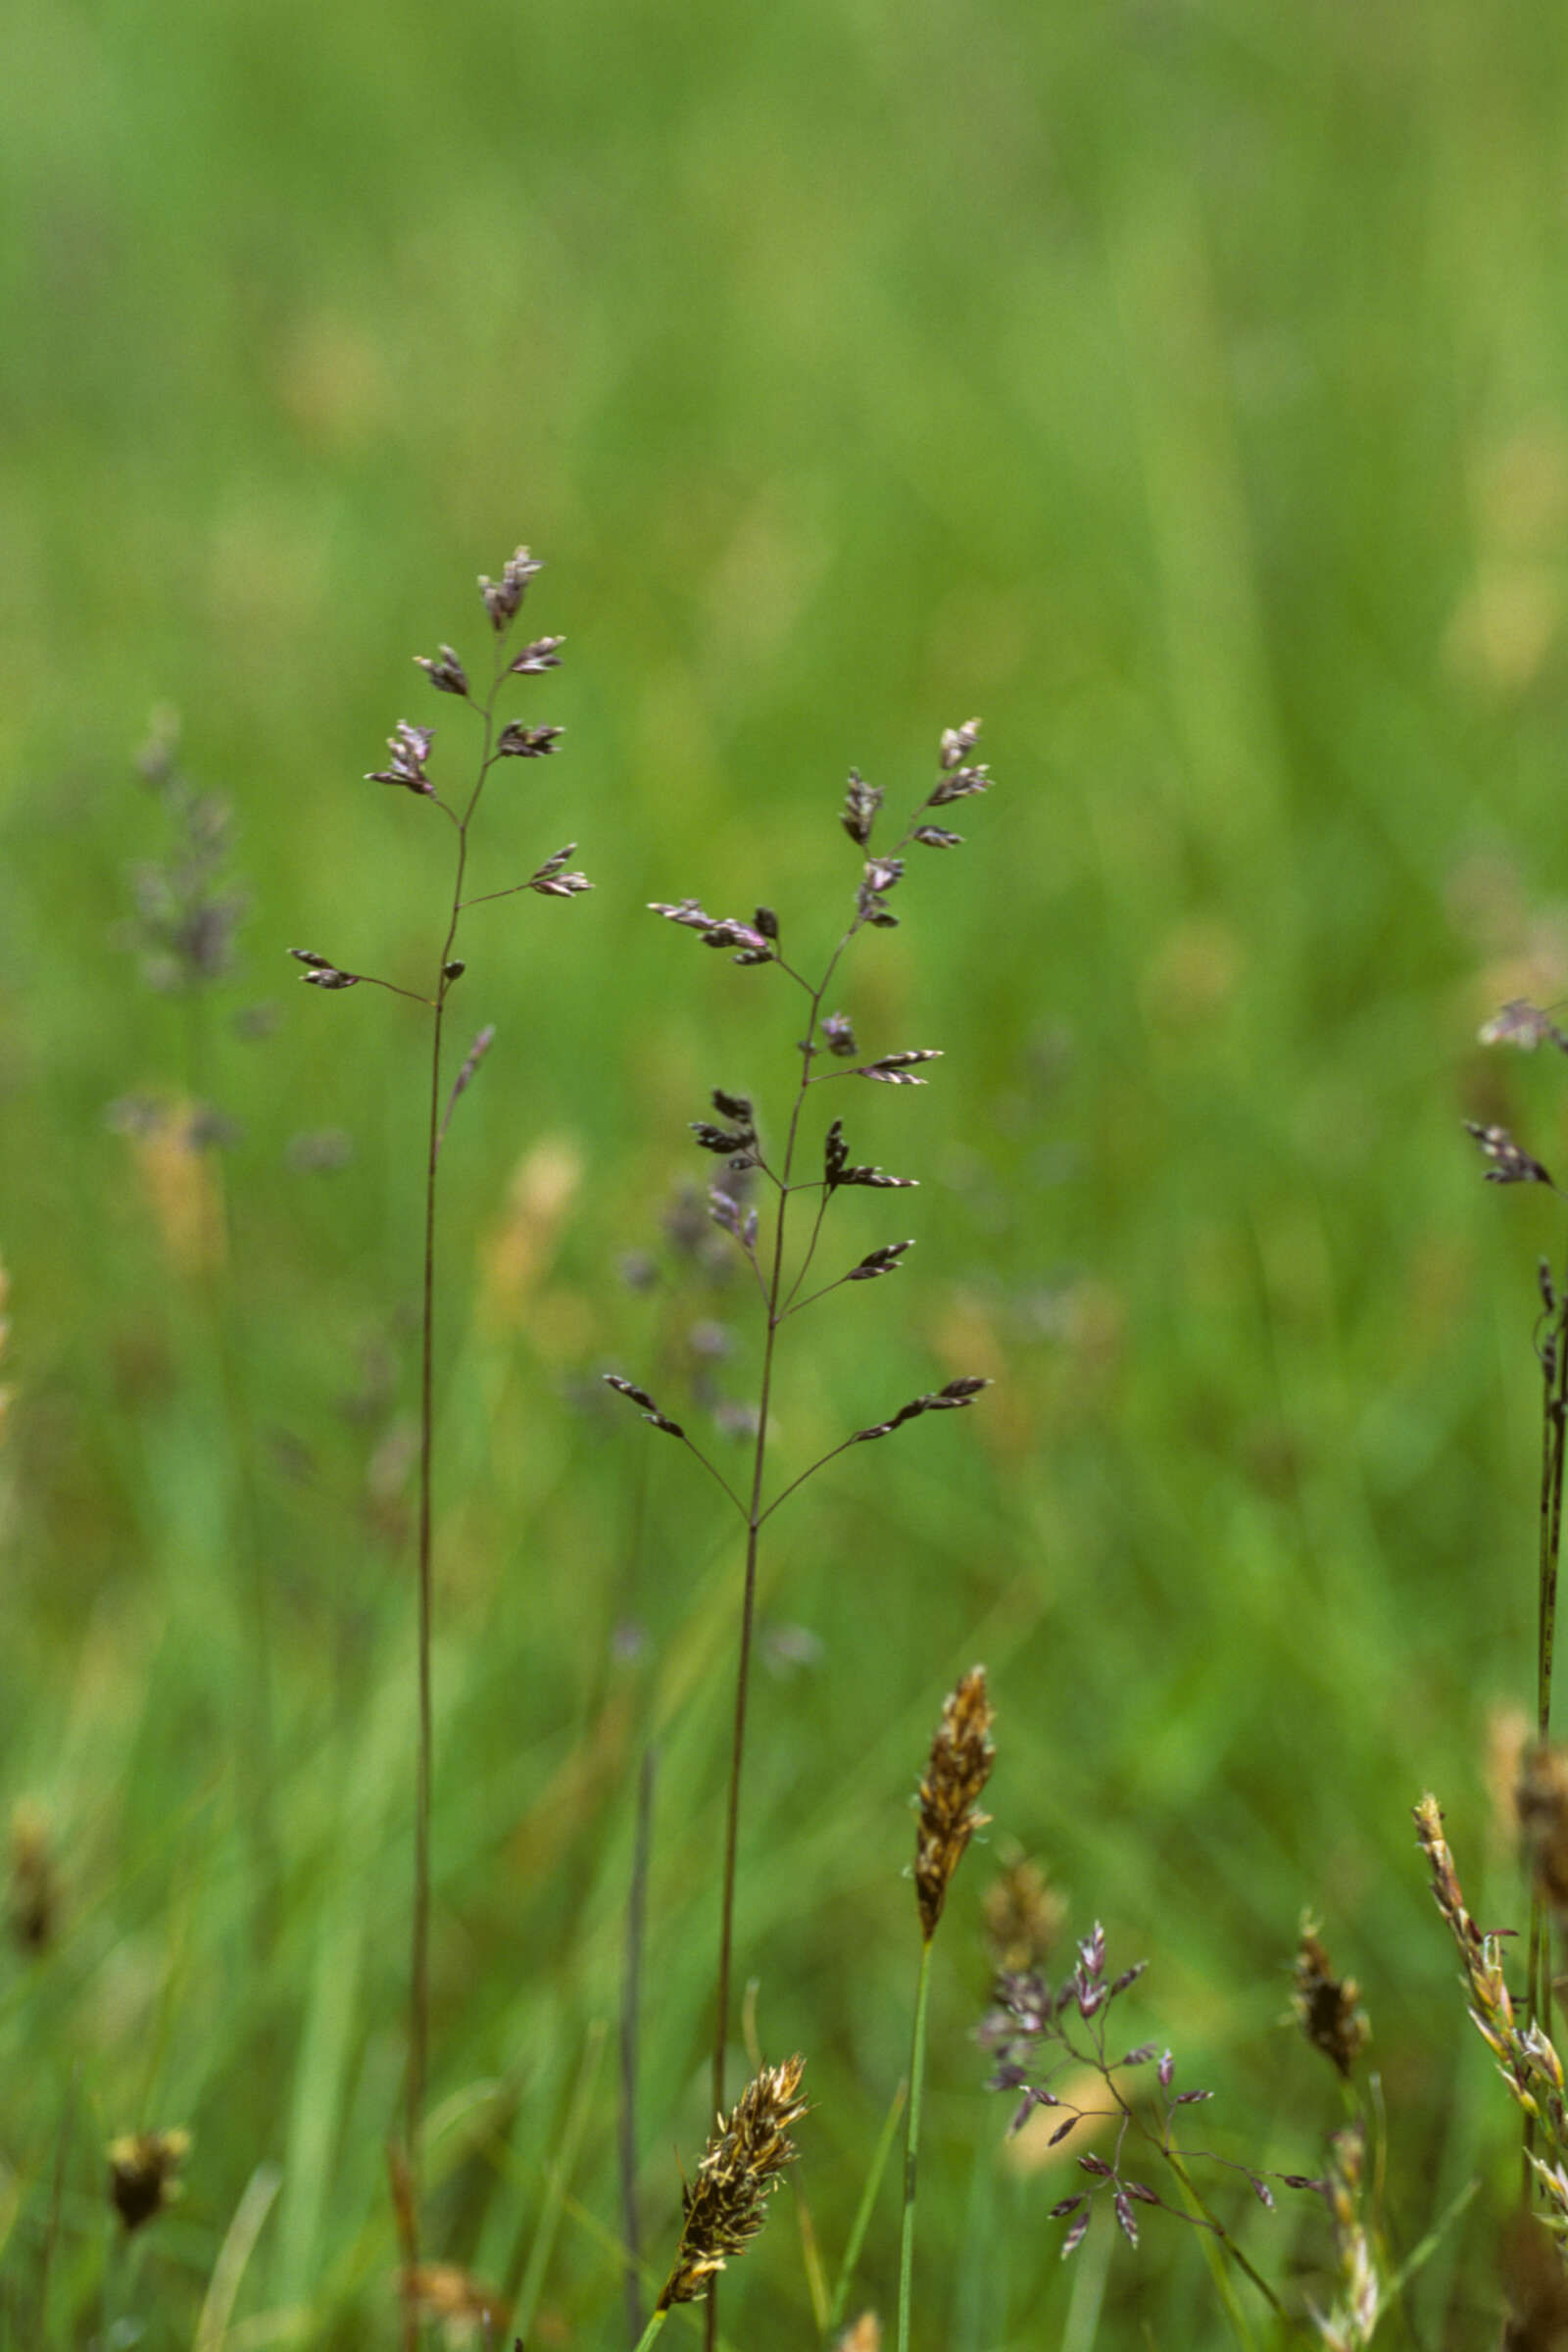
(780,1287)
(410,747)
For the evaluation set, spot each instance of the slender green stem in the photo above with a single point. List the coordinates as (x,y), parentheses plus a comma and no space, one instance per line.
(557,2181)
(1554,1430)
(863,2212)
(753,1522)
(630,2020)
(1217,2240)
(911,2148)
(652,2328)
(419,1927)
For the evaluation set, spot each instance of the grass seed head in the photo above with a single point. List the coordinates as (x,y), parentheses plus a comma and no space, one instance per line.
(144,2174)
(1541,1799)
(1023,1916)
(725,2205)
(961,1757)
(33,1886)
(1326,2007)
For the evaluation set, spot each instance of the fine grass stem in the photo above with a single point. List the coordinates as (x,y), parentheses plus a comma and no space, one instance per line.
(407,770)
(779,1276)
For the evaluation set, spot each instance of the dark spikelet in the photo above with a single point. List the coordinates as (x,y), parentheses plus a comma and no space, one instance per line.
(543,654)
(726,2204)
(861,801)
(898,1069)
(959,1766)
(320,973)
(552,883)
(717,931)
(650,1410)
(143,2174)
(879,1261)
(1326,2007)
(1510,1164)
(953,1399)
(516,742)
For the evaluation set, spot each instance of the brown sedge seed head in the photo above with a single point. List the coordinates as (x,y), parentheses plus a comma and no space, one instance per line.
(961,1761)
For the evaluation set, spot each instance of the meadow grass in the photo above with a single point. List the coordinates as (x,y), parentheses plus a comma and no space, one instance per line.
(1185,390)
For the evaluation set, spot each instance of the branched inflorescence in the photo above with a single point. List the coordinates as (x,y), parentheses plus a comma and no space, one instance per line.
(777,1259)
(1042,2034)
(408,769)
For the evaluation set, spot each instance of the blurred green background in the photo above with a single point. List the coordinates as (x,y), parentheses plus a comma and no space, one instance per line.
(1182,385)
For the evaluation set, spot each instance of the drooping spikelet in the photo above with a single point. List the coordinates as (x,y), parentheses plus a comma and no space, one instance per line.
(961,1757)
(726,2204)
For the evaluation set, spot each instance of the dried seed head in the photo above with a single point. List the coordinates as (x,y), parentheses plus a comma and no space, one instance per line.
(1541,1799)
(550,883)
(954,1398)
(962,785)
(32,1893)
(1023,1917)
(1326,2007)
(1522,1024)
(143,2174)
(957,743)
(717,931)
(861,801)
(516,742)
(961,1757)
(879,1261)
(410,747)
(898,1069)
(837,1171)
(1510,1164)
(725,2206)
(650,1410)
(503,597)
(543,654)
(322,974)
(839,1030)
(445,672)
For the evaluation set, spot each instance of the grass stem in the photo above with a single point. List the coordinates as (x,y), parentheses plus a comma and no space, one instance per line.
(911,2147)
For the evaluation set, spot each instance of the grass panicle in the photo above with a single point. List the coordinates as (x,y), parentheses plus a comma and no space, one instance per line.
(408,770)
(779,1264)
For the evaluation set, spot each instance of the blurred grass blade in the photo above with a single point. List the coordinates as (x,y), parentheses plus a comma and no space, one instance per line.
(235,2254)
